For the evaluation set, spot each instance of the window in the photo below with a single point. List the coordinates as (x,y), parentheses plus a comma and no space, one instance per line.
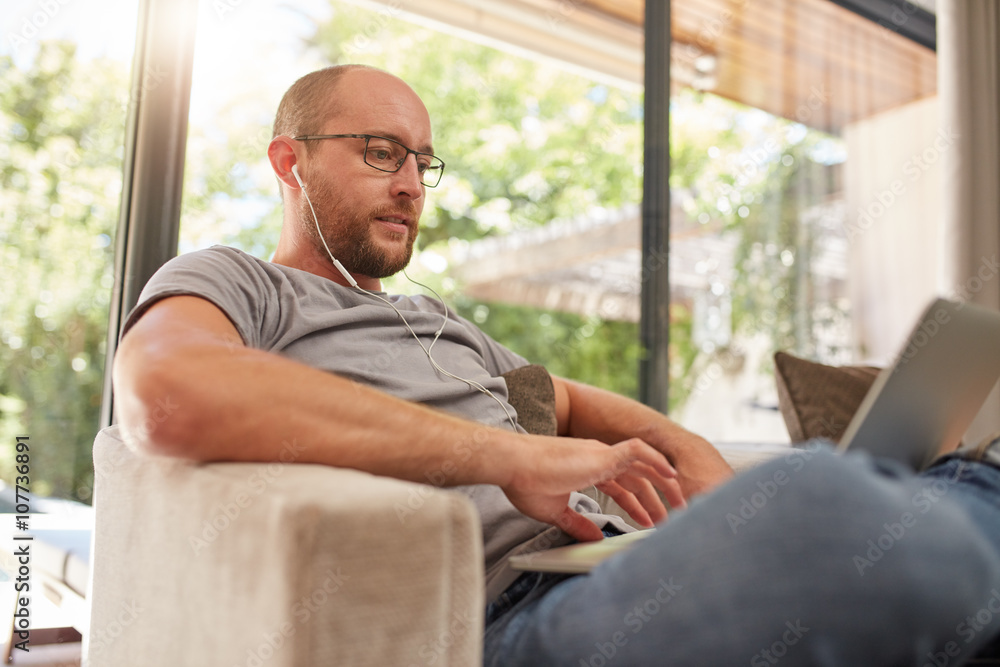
(791,122)
(64,96)
(793,125)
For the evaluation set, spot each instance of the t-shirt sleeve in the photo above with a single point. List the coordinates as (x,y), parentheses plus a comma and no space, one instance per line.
(230,280)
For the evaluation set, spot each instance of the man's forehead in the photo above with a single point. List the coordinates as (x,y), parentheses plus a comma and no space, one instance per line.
(383,106)
(376,90)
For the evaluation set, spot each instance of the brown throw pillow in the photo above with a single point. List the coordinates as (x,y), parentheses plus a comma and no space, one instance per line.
(818,401)
(530,391)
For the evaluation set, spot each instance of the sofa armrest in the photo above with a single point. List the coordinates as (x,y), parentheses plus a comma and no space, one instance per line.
(281,564)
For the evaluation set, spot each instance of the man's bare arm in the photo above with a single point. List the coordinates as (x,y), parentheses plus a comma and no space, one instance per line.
(583,411)
(230,402)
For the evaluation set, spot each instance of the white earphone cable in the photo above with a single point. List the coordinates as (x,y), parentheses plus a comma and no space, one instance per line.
(427,350)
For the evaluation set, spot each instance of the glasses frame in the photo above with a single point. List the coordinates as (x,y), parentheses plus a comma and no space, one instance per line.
(399,165)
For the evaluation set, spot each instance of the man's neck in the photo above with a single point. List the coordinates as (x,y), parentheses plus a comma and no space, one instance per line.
(301,256)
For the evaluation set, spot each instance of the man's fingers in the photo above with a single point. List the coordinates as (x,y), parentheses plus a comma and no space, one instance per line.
(639,498)
(555,510)
(645,494)
(635,451)
(669,487)
(641,471)
(630,472)
(672,492)
(628,501)
(578,526)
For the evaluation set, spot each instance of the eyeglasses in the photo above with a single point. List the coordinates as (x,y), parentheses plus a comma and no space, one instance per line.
(388,155)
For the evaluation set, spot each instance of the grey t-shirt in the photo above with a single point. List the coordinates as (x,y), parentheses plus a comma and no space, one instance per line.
(342,330)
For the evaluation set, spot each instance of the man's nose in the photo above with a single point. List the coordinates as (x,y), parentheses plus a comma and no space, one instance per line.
(408,177)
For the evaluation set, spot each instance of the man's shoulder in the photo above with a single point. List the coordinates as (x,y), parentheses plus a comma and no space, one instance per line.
(230,262)
(216,255)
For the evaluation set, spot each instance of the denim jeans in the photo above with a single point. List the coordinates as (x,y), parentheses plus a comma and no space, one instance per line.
(811,559)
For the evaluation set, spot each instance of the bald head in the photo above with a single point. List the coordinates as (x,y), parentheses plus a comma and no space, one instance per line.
(367,217)
(318,96)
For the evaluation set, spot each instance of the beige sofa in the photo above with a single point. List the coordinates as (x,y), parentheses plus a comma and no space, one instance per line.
(282,564)
(279,564)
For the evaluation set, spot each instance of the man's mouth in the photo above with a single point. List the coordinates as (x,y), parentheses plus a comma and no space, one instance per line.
(395,223)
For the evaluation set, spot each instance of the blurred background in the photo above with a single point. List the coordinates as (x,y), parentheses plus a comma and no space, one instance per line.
(804,141)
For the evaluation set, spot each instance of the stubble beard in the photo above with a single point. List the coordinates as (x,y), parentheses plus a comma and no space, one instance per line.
(349,233)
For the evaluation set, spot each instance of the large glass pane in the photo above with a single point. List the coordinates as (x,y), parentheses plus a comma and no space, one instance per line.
(802,206)
(64,95)
(790,119)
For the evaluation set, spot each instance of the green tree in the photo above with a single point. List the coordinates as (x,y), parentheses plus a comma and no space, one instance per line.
(61,176)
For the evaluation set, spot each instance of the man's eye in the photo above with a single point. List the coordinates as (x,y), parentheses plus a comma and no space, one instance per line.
(382,153)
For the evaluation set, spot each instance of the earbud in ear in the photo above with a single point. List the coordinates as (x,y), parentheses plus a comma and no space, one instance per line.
(340,267)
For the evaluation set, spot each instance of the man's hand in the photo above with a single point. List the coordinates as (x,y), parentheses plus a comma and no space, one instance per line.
(700,467)
(630,472)
(587,412)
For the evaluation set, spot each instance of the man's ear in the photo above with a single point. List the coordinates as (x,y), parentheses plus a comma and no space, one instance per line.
(281,153)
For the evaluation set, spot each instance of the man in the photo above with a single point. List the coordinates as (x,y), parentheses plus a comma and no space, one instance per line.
(255,353)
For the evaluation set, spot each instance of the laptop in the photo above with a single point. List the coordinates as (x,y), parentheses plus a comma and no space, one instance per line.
(915,410)
(923,405)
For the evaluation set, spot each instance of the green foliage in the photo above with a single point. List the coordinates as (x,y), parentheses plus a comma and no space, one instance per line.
(595,351)
(230,194)
(682,353)
(525,143)
(61,179)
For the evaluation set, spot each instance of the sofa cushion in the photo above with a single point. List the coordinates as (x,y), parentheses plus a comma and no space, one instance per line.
(530,391)
(816,400)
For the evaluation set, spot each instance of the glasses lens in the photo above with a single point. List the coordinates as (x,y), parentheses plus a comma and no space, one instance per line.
(388,155)
(384,154)
(431,174)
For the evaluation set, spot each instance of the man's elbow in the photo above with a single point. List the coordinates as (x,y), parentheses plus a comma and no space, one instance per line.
(156,408)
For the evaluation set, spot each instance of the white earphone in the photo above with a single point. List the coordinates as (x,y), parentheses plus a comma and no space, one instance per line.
(340,267)
(427,350)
